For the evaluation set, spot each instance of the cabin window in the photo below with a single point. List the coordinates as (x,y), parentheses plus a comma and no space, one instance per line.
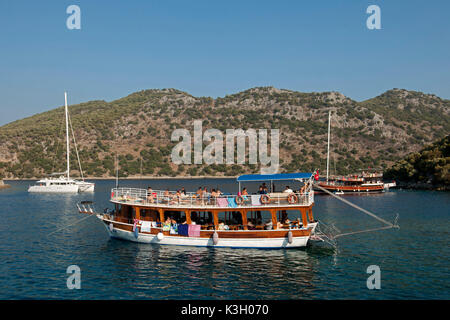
(259,219)
(204,218)
(289,217)
(149,215)
(178,216)
(229,220)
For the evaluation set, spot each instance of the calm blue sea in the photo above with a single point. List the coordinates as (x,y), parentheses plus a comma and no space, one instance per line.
(414,261)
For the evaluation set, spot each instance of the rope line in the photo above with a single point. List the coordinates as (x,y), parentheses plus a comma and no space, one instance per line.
(70,225)
(388,224)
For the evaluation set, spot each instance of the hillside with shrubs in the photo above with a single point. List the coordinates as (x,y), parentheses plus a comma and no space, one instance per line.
(374,133)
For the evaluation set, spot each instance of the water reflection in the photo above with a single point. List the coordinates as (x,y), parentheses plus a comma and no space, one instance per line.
(213,273)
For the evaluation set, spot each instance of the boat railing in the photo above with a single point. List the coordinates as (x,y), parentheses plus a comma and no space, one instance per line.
(190,199)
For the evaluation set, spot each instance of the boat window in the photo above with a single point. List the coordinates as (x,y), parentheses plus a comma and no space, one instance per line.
(178,216)
(260,219)
(202,217)
(149,215)
(230,219)
(289,217)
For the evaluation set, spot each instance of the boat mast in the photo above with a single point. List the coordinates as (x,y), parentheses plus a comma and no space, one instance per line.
(328,149)
(117,171)
(67,136)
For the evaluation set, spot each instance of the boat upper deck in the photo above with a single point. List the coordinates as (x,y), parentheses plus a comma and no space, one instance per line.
(191,200)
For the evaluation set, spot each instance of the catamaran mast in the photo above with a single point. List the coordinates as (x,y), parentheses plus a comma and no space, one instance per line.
(328,150)
(67,137)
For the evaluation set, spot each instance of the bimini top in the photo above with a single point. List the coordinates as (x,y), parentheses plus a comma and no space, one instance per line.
(278,176)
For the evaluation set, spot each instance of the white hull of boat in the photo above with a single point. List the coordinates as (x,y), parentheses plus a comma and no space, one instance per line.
(263,243)
(86,187)
(54,189)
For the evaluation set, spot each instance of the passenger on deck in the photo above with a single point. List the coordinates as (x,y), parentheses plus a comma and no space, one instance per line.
(268,225)
(150,197)
(183,191)
(261,190)
(288,190)
(166,195)
(199,192)
(206,194)
(244,194)
(166,224)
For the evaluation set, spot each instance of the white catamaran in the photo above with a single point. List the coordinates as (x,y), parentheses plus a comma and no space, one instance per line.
(63,183)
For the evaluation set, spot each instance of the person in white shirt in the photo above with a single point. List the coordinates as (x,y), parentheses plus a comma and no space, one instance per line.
(288,190)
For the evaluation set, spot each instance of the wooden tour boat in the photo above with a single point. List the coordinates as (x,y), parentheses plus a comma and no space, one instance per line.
(271,220)
(366,182)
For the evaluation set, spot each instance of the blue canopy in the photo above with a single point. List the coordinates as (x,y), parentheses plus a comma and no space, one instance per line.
(278,176)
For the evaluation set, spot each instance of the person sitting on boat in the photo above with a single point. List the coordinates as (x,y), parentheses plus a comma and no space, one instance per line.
(284,218)
(288,190)
(244,194)
(177,197)
(250,225)
(173,226)
(261,190)
(166,195)
(206,194)
(268,225)
(221,225)
(199,194)
(150,197)
(183,191)
(167,224)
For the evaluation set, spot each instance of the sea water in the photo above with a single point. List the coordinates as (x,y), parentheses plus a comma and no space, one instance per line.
(41,235)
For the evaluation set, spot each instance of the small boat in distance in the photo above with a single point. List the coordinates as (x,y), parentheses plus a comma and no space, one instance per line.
(63,183)
(365,182)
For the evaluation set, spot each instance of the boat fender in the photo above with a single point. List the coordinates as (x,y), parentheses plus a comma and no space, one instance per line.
(160,236)
(136,233)
(215,238)
(289,236)
(111,227)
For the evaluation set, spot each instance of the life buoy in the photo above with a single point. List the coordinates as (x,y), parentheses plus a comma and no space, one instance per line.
(265,199)
(292,198)
(239,200)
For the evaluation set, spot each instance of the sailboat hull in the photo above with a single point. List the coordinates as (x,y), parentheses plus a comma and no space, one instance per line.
(54,189)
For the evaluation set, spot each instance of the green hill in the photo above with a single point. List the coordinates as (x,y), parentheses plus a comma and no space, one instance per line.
(377,132)
(429,168)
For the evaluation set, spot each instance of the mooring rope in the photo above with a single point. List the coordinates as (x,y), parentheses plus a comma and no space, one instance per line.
(389,225)
(70,225)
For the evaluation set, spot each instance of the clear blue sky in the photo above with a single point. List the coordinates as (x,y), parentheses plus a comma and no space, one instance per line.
(214,48)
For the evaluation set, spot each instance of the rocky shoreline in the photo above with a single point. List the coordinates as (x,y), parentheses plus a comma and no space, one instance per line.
(422,186)
(3,185)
